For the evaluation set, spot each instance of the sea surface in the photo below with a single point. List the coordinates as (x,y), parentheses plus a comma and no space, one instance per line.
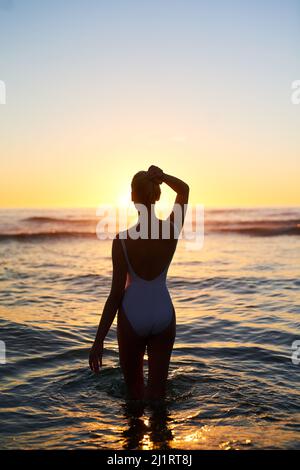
(234,377)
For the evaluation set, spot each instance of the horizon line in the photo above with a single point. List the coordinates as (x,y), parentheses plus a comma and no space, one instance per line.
(210,207)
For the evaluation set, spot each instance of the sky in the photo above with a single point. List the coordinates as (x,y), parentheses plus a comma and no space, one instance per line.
(97,90)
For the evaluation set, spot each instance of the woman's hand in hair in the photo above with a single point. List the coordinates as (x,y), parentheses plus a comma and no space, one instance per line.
(155,173)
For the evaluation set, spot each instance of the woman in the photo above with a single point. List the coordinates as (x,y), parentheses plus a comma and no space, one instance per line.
(146,316)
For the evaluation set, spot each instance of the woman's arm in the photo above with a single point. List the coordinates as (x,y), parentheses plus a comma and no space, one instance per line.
(180,206)
(180,187)
(111,305)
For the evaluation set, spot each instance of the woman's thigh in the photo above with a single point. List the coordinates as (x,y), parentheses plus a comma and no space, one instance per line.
(132,348)
(159,349)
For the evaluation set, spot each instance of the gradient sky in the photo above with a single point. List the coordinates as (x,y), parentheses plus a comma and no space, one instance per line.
(99,89)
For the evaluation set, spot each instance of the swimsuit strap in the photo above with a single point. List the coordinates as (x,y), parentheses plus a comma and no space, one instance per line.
(126,255)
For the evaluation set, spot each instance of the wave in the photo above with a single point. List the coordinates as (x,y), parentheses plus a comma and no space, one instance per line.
(258,223)
(255,222)
(250,231)
(259,230)
(256,227)
(46,235)
(59,220)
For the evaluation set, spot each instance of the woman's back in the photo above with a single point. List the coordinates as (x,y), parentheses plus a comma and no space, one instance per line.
(147,303)
(149,257)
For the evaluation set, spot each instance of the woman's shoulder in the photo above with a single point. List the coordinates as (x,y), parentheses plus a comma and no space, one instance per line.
(123,234)
(120,235)
(166,229)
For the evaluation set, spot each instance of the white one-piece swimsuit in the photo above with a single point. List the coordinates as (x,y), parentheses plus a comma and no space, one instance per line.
(147,304)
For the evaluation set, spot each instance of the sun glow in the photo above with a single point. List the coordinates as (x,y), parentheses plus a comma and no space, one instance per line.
(124,199)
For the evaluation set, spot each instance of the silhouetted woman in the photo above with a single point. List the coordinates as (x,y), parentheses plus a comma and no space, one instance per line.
(146,316)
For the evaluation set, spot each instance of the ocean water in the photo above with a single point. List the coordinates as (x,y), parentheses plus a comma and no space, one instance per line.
(232,381)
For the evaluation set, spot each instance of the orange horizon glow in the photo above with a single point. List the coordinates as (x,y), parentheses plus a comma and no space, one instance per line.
(120,88)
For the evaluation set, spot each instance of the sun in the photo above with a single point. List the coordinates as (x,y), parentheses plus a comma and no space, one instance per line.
(124,199)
